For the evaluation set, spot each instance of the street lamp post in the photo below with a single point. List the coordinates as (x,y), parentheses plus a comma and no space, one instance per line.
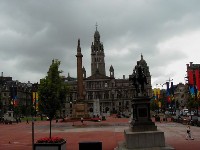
(26,101)
(32,132)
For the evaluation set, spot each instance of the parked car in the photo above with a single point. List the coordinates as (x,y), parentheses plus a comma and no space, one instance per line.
(190,113)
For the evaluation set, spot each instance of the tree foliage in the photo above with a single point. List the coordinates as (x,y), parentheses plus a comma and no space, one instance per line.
(192,102)
(154,105)
(52,91)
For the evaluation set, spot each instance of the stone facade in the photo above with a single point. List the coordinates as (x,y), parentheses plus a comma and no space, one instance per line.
(181,94)
(15,93)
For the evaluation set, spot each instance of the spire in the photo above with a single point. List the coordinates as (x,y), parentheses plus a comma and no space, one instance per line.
(141,56)
(78,47)
(96,26)
(78,42)
(111,68)
(96,35)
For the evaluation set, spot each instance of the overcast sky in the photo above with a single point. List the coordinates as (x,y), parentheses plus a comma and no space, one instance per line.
(33,32)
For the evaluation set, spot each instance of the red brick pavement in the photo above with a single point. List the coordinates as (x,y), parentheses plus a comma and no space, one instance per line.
(109,132)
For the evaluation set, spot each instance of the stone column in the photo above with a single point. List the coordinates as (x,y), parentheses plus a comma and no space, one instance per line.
(79,73)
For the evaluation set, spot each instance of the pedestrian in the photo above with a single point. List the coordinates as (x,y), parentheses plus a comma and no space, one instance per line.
(188,136)
(82,120)
(27,121)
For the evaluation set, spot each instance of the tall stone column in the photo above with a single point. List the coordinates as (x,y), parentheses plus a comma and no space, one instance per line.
(79,73)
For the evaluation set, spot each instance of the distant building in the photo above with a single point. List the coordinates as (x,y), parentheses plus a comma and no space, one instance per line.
(104,94)
(181,94)
(14,94)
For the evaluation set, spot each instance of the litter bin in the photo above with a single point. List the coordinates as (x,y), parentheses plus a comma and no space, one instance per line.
(90,145)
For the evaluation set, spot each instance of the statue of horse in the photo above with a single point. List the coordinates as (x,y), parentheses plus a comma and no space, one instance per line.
(139,79)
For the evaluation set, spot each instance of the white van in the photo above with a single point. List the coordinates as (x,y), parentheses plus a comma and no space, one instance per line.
(184,111)
(8,117)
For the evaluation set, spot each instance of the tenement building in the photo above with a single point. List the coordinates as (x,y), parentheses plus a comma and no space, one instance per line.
(103,94)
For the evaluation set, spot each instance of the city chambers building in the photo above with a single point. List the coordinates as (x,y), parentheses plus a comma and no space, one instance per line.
(103,94)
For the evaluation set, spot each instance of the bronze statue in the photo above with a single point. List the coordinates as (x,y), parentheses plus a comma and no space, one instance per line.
(139,79)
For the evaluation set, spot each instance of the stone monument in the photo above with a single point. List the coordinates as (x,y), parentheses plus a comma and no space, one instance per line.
(143,133)
(96,106)
(80,107)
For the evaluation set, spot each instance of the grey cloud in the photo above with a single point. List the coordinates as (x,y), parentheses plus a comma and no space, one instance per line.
(32,33)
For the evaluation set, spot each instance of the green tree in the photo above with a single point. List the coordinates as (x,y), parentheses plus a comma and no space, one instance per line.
(17,111)
(50,90)
(192,103)
(23,110)
(154,105)
(64,90)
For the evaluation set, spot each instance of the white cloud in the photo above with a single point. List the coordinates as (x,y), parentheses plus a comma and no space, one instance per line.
(187,45)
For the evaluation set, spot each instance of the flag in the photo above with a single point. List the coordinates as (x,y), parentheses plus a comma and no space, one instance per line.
(35,100)
(159,104)
(15,100)
(172,88)
(168,92)
(191,89)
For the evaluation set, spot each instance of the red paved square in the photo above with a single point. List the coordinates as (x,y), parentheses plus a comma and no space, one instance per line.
(109,132)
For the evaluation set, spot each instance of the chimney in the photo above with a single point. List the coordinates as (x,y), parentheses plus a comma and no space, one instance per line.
(191,64)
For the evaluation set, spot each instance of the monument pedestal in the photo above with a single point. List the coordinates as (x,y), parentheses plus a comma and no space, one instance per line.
(143,134)
(141,120)
(79,110)
(147,140)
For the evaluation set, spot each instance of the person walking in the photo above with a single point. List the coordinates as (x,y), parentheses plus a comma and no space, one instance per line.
(82,120)
(188,136)
(27,121)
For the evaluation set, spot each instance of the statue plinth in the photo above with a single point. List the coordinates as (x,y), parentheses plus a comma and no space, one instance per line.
(79,110)
(143,133)
(141,120)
